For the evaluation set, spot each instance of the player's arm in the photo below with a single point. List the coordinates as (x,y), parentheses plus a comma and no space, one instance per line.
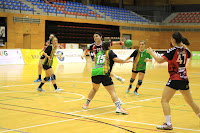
(157,59)
(118,60)
(128,58)
(83,54)
(147,60)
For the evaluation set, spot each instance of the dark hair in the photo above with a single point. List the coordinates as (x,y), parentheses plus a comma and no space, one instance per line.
(98,34)
(185,41)
(105,45)
(178,37)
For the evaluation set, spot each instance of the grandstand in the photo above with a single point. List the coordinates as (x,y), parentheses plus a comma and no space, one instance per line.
(25,26)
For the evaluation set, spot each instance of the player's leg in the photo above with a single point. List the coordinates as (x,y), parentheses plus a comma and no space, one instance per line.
(122,80)
(96,80)
(140,79)
(115,99)
(53,79)
(39,71)
(168,93)
(134,74)
(43,81)
(188,98)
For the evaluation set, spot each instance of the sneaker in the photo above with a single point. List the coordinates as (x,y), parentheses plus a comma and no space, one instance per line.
(85,106)
(127,91)
(120,79)
(40,89)
(135,92)
(165,127)
(122,111)
(58,90)
(38,80)
(49,79)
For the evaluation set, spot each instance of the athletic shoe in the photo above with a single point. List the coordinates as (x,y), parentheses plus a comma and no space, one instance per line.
(137,94)
(165,127)
(58,90)
(122,111)
(120,79)
(38,80)
(85,106)
(40,89)
(49,79)
(127,91)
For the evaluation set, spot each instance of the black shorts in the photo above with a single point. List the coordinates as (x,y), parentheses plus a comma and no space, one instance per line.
(142,71)
(42,57)
(178,84)
(105,80)
(46,67)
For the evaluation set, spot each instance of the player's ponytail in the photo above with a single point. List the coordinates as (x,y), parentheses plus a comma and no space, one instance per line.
(185,41)
(106,46)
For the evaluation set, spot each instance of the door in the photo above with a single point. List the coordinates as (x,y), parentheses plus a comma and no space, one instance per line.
(27,41)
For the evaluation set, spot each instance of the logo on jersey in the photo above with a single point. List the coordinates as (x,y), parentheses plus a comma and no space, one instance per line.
(61,58)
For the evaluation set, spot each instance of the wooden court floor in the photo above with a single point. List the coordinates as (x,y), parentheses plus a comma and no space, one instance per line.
(24,110)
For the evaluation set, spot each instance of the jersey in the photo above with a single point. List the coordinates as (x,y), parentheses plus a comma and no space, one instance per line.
(104,63)
(138,59)
(177,59)
(46,44)
(95,48)
(49,51)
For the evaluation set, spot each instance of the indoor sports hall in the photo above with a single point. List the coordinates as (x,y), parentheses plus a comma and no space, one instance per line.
(36,99)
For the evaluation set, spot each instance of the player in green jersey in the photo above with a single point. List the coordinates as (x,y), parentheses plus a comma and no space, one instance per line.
(101,74)
(140,57)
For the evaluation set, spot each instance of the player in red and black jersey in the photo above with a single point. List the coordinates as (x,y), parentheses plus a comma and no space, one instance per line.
(177,59)
(96,47)
(42,59)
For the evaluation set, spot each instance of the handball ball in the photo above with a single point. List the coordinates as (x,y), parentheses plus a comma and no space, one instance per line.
(128,43)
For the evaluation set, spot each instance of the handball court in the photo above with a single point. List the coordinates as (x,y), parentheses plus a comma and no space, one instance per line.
(24,110)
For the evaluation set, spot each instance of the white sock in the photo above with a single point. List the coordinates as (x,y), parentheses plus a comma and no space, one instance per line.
(198,115)
(115,75)
(117,104)
(168,119)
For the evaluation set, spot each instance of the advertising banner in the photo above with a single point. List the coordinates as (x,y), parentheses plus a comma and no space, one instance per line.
(196,55)
(11,56)
(70,55)
(123,53)
(32,56)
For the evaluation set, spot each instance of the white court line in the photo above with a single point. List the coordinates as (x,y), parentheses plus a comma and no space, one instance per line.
(40,125)
(144,100)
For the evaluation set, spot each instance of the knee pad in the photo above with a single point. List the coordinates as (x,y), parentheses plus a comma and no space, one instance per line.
(46,78)
(132,80)
(53,77)
(139,82)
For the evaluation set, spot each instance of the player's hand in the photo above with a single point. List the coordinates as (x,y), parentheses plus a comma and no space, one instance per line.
(128,61)
(49,57)
(82,56)
(146,60)
(149,50)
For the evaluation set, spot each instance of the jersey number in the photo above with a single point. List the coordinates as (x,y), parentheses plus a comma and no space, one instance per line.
(181,58)
(101,59)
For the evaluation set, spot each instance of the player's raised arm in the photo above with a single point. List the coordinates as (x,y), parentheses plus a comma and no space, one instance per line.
(158,59)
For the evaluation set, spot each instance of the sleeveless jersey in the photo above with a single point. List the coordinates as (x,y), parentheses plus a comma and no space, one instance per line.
(104,63)
(138,62)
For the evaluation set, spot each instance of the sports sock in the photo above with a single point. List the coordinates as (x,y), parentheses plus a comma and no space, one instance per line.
(88,101)
(198,115)
(130,86)
(136,89)
(168,119)
(118,104)
(39,76)
(41,84)
(55,86)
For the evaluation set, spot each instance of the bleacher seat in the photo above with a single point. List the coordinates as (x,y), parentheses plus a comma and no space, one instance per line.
(186,17)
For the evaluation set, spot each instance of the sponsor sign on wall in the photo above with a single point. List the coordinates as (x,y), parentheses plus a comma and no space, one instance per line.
(11,56)
(70,55)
